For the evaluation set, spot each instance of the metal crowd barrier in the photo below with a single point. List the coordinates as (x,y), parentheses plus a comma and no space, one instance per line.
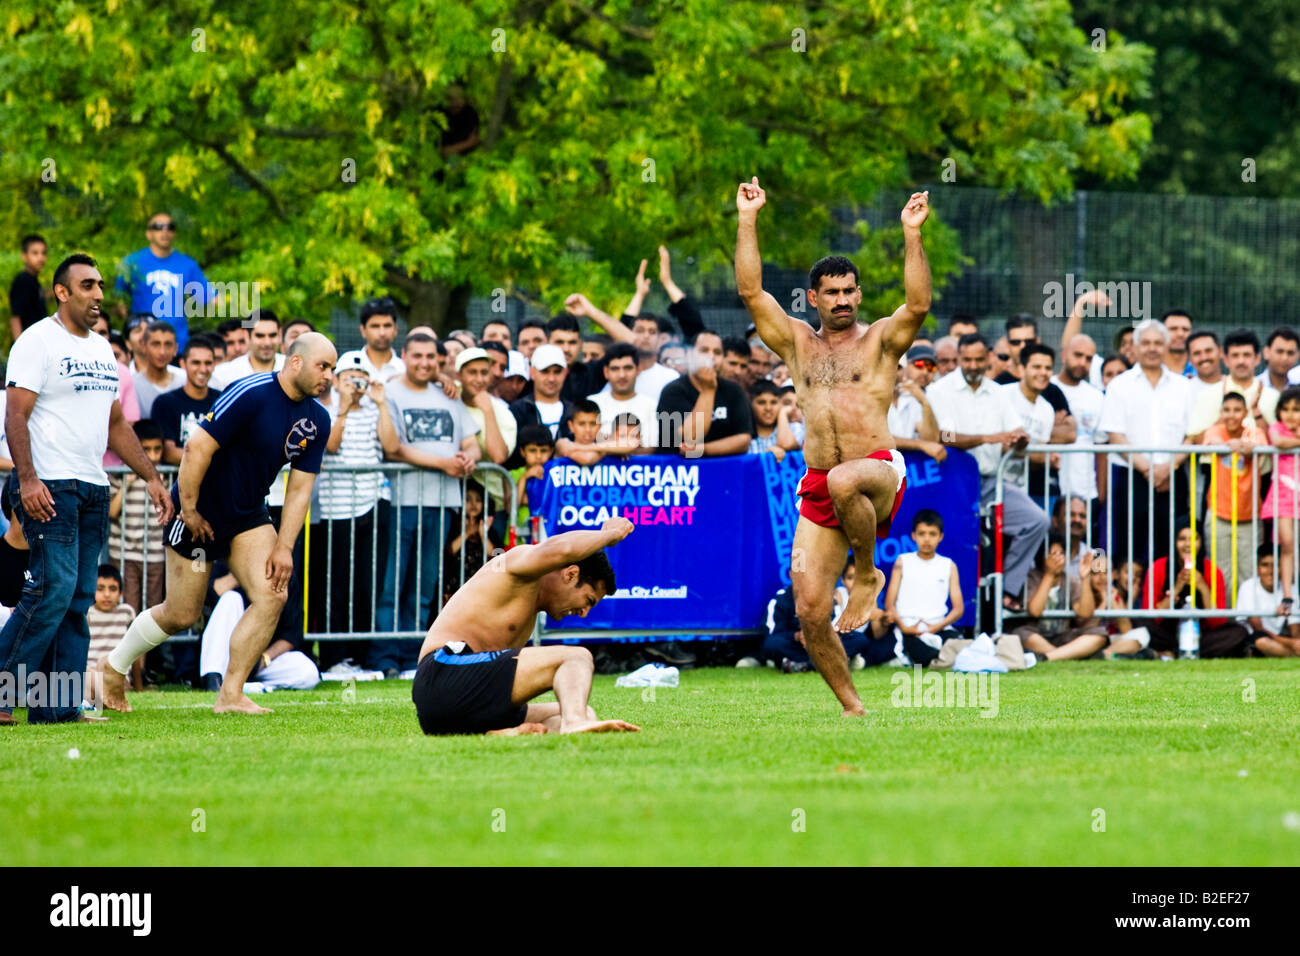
(318,533)
(1186,498)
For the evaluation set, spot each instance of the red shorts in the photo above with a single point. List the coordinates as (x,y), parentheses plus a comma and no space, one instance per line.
(818,508)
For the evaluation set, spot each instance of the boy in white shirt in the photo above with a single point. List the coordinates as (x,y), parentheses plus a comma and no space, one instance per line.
(924,596)
(1273,630)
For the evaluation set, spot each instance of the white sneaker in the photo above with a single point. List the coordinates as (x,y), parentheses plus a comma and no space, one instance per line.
(749,662)
(899,661)
(858,662)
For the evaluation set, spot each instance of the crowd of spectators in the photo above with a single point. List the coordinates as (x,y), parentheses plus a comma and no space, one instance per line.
(388,549)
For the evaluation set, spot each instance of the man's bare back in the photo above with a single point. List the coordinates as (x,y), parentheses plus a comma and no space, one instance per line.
(495,609)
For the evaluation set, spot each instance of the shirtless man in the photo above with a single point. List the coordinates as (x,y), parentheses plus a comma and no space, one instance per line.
(844,379)
(475,675)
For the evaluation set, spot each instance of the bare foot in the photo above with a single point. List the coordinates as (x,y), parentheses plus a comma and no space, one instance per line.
(855,711)
(861,600)
(518,731)
(241,705)
(598,727)
(114,685)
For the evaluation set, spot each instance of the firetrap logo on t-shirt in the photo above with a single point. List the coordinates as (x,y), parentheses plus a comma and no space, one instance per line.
(89,375)
(302,432)
(643,494)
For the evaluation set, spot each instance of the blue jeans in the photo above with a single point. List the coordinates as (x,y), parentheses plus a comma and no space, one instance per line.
(414,610)
(48,633)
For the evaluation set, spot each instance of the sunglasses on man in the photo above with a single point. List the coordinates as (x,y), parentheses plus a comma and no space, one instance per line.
(926,364)
(1003,356)
(162,227)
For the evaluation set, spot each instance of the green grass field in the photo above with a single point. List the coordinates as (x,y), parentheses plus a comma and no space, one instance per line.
(727,766)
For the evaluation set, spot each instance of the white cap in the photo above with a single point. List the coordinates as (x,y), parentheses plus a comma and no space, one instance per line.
(354,361)
(547,356)
(516,364)
(465,356)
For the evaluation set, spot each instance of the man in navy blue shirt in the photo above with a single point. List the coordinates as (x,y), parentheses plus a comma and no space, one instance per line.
(159,280)
(257,426)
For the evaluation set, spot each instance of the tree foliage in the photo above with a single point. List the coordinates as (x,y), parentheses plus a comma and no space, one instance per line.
(607,127)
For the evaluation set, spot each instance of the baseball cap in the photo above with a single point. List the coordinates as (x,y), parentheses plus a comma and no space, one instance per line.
(470,355)
(919,352)
(352,361)
(516,364)
(546,356)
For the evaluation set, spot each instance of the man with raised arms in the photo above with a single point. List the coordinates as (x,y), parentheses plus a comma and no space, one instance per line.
(475,674)
(844,378)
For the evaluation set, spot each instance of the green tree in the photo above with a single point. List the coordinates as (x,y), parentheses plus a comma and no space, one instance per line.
(606,128)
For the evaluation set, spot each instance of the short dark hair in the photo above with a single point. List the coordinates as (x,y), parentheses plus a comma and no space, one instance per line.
(31,237)
(111,572)
(734,345)
(696,337)
(564,322)
(1239,337)
(1116,357)
(384,305)
(625,420)
(292,322)
(928,516)
(199,342)
(494,347)
(666,325)
(1284,332)
(971,338)
(535,435)
(1183,312)
(1202,334)
(595,570)
(1232,395)
(532,324)
(621,350)
(666,346)
(1289,394)
(962,318)
(422,337)
(647,317)
(498,322)
(1265,550)
(1037,348)
(159,325)
(146,429)
(585,406)
(598,337)
(76,259)
(115,338)
(261,315)
(230,325)
(765,386)
(1022,320)
(831,266)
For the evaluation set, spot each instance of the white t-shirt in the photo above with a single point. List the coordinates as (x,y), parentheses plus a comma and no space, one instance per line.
(980,411)
(638,405)
(550,413)
(1036,419)
(648,383)
(1254,601)
(902,419)
(146,391)
(390,369)
(1078,469)
(241,367)
(923,592)
(75,381)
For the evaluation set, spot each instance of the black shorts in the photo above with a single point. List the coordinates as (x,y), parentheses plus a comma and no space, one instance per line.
(467,693)
(217,548)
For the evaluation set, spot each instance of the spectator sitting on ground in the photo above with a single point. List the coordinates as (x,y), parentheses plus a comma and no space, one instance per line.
(584,447)
(923,600)
(135,542)
(471,541)
(282,666)
(784,646)
(108,618)
(1058,638)
(593,349)
(702,414)
(1075,531)
(772,429)
(1219,637)
(620,394)
(735,362)
(179,411)
(1126,641)
(1235,430)
(910,418)
(1274,630)
(536,446)
(158,374)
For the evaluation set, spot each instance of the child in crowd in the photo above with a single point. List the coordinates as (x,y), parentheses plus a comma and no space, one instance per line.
(470,539)
(1234,494)
(1274,631)
(1283,500)
(1059,638)
(785,646)
(625,430)
(1219,637)
(108,618)
(790,402)
(135,540)
(536,446)
(584,448)
(772,429)
(923,599)
(1126,641)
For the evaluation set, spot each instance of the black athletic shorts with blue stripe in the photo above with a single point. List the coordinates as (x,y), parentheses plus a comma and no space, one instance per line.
(463,692)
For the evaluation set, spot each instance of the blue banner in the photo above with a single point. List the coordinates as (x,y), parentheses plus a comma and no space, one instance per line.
(713,535)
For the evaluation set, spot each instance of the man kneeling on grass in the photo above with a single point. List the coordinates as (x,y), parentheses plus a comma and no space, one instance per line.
(475,675)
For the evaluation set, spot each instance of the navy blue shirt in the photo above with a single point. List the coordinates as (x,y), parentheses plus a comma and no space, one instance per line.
(259,429)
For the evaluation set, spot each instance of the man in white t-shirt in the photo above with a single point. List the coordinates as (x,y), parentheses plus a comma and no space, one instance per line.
(62,411)
(1264,610)
(620,395)
(159,374)
(1079,469)
(263,353)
